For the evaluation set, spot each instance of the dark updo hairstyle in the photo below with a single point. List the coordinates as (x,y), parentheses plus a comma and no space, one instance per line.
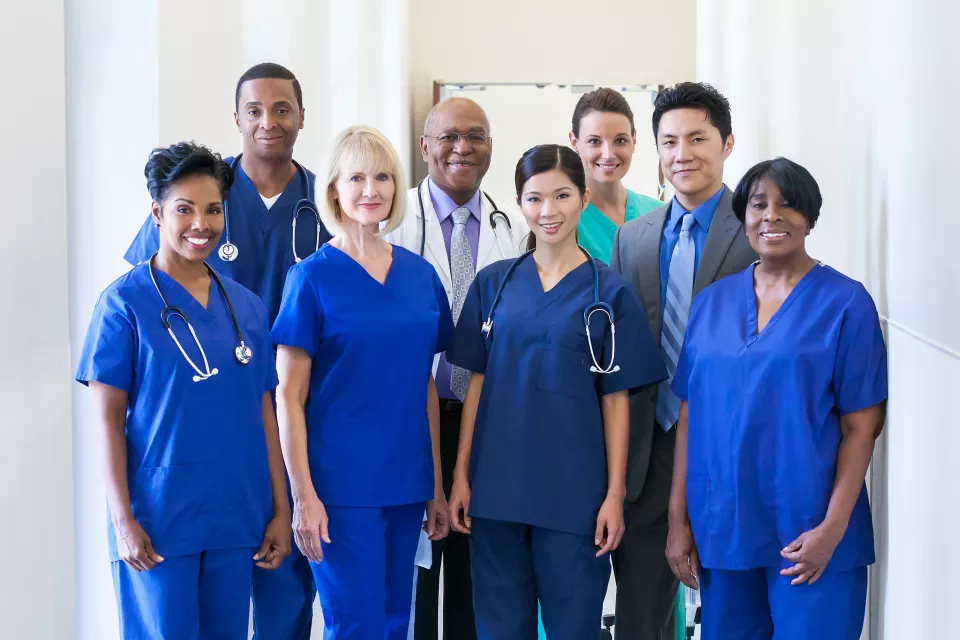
(547,157)
(168,165)
(604,100)
(799,189)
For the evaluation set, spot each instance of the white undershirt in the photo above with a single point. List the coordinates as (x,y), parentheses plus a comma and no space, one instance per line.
(270,201)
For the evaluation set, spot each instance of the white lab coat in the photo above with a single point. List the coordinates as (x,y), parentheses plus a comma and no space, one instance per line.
(407,235)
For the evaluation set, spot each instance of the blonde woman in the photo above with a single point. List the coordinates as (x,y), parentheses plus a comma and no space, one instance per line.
(358,328)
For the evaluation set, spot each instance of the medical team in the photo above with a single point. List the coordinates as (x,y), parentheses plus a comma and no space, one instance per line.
(367,380)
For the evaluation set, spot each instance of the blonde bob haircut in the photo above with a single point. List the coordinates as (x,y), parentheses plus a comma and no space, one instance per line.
(361,149)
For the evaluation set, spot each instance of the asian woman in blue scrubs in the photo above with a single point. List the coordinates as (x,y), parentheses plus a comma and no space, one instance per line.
(540,477)
(783,378)
(180,365)
(269,186)
(358,329)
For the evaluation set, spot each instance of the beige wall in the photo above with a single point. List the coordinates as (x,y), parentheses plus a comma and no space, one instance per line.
(631,42)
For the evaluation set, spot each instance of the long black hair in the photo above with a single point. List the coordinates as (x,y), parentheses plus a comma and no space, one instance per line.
(547,157)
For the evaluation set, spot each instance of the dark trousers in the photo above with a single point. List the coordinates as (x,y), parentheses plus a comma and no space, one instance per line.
(646,587)
(453,552)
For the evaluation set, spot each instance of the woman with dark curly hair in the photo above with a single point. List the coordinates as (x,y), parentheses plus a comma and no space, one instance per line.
(181,368)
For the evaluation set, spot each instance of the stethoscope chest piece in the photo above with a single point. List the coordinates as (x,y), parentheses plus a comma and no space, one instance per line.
(243,354)
(228,251)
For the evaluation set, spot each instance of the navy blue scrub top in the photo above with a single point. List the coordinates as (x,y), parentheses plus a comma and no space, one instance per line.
(764,415)
(197,466)
(539,453)
(372,347)
(263,237)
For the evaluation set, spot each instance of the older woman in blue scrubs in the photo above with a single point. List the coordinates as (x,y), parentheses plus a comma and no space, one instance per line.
(783,378)
(180,365)
(359,325)
(540,476)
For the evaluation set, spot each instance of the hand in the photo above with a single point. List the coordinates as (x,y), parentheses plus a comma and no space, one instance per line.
(276,543)
(437,524)
(811,552)
(459,506)
(610,520)
(310,526)
(135,548)
(682,555)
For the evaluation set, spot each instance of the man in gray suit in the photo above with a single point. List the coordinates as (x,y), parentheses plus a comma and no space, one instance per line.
(670,255)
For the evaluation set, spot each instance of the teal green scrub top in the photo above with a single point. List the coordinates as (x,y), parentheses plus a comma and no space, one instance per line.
(595,231)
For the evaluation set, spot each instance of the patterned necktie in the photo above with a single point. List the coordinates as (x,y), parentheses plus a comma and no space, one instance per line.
(462,271)
(676,310)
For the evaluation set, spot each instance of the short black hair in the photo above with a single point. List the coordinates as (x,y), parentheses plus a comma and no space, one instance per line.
(604,100)
(168,165)
(694,95)
(267,70)
(798,186)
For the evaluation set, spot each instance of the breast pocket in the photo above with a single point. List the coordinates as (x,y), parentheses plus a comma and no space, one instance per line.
(565,365)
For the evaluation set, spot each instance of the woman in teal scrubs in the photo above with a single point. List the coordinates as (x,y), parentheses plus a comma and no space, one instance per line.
(604,137)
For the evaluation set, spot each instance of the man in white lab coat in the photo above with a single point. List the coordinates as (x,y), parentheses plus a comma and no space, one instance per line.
(459,229)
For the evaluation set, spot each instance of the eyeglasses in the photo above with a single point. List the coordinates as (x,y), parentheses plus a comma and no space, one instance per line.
(449,139)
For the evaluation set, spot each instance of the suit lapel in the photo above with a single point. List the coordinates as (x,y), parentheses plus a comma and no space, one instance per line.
(723,231)
(650,230)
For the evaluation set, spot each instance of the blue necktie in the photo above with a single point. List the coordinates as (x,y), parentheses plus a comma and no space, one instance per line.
(676,310)
(462,270)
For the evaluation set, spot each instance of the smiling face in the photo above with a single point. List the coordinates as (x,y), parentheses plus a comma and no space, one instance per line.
(269,118)
(456,145)
(775,230)
(551,205)
(605,145)
(692,153)
(190,218)
(365,197)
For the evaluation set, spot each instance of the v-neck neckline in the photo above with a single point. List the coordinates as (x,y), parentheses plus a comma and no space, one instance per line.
(363,269)
(169,282)
(753,333)
(561,281)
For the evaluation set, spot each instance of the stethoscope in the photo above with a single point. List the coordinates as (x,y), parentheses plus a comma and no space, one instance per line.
(494,216)
(595,307)
(228,251)
(242,353)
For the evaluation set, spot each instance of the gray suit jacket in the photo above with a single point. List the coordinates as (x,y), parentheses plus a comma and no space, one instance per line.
(636,255)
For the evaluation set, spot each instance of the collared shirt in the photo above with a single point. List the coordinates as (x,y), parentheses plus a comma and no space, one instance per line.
(445,206)
(671,233)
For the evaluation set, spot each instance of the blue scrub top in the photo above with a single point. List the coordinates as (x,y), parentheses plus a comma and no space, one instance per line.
(197,465)
(539,453)
(764,415)
(372,346)
(263,237)
(595,231)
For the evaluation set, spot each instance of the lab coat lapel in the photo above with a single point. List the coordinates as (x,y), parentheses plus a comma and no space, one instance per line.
(487,251)
(436,250)
(723,231)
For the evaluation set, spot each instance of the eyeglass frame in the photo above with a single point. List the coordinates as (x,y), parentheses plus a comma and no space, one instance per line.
(459,136)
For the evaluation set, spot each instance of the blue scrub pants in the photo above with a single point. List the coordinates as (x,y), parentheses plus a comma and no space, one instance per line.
(760,604)
(283,599)
(516,565)
(364,578)
(205,596)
